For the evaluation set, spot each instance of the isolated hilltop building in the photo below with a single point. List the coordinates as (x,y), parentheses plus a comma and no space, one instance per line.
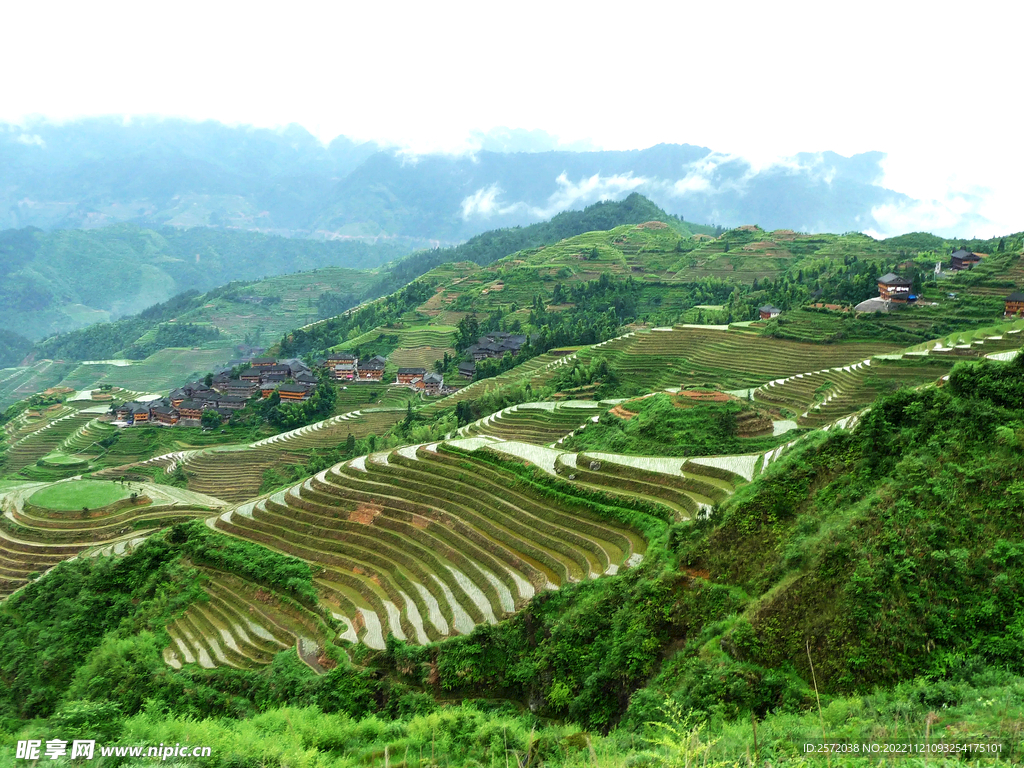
(963,259)
(892,287)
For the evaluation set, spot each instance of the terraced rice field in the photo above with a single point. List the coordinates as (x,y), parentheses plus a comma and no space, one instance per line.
(660,481)
(34,539)
(535,370)
(166,369)
(235,473)
(419,357)
(243,626)
(333,431)
(820,397)
(85,439)
(30,440)
(424,544)
(729,359)
(540,423)
(440,336)
(232,475)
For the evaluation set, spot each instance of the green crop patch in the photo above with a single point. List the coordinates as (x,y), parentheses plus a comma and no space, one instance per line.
(78,494)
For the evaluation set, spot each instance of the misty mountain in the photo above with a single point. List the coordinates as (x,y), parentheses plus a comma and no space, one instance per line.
(99,171)
(57,281)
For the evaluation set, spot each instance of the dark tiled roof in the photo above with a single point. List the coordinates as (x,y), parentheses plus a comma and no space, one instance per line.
(893,279)
(1018,296)
(411,371)
(190,405)
(294,388)
(769,308)
(433,378)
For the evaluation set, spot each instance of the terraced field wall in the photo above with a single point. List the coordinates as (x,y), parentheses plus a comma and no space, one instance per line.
(424,543)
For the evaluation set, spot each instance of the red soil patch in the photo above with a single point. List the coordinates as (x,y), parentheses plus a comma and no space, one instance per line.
(326,661)
(697,573)
(358,622)
(748,228)
(622,413)
(365,513)
(706,397)
(833,307)
(652,225)
(420,522)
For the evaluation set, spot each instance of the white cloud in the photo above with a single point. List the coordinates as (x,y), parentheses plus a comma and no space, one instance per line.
(31,140)
(483,202)
(447,80)
(955,217)
(568,194)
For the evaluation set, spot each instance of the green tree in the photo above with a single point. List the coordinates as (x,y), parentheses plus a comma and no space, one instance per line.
(210,419)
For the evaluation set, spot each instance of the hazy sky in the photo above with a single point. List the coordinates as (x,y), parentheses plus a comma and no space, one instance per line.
(934,85)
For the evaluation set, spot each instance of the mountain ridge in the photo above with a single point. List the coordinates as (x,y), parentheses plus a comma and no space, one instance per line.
(99,171)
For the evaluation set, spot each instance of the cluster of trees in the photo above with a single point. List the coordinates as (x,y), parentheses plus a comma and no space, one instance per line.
(582,374)
(13,348)
(331,303)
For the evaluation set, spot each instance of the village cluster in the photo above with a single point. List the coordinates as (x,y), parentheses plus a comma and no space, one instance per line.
(291,379)
(893,288)
(491,345)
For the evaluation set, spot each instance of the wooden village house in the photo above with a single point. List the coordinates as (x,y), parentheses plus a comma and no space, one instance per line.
(1014,305)
(892,287)
(962,259)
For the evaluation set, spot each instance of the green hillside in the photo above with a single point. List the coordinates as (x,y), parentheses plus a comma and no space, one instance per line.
(625,545)
(856,551)
(58,281)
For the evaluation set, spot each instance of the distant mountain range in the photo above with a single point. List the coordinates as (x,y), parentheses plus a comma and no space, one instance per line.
(100,171)
(52,282)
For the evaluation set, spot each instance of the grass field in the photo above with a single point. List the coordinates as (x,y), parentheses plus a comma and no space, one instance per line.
(76,494)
